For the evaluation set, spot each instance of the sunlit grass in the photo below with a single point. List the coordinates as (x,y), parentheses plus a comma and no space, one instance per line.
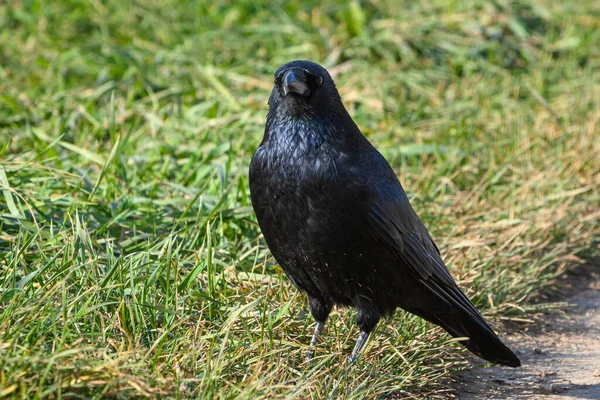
(130,260)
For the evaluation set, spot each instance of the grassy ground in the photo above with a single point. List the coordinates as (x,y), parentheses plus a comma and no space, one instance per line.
(130,260)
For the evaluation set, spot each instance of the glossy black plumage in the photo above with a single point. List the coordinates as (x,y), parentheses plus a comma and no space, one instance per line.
(337,220)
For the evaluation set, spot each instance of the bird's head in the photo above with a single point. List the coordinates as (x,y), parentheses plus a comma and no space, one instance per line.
(303,90)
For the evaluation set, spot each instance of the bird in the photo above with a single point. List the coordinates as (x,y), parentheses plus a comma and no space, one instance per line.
(337,220)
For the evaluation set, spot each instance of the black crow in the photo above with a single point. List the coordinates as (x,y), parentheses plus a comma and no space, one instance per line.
(337,220)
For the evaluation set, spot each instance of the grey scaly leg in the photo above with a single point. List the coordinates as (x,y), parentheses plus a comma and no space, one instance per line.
(367,320)
(315,339)
(320,310)
(360,343)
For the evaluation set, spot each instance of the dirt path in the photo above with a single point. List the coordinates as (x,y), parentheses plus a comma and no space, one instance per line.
(560,355)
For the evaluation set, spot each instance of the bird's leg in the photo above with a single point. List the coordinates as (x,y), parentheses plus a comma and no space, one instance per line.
(320,311)
(315,339)
(366,320)
(362,339)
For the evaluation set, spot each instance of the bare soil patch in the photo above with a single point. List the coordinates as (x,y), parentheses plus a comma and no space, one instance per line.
(560,353)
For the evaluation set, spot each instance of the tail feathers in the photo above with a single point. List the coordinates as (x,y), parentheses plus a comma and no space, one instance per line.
(449,308)
(483,342)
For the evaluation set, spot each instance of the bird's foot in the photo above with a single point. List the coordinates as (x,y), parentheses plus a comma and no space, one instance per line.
(309,355)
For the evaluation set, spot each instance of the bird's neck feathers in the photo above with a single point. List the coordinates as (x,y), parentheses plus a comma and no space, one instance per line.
(312,130)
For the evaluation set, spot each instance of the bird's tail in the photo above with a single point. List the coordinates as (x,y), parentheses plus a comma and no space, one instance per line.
(458,316)
(482,340)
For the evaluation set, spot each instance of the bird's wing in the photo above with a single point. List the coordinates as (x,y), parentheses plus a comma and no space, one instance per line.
(390,217)
(393,221)
(396,223)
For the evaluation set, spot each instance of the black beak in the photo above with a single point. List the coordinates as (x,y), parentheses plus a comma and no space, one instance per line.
(292,83)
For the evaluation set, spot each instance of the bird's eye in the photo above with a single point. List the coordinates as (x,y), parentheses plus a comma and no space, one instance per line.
(319,80)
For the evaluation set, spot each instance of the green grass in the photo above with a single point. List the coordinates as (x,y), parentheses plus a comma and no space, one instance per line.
(131,264)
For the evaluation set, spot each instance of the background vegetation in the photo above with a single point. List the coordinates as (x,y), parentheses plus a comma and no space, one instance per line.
(130,260)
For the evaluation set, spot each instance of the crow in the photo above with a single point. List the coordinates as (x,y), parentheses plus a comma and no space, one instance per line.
(338,222)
